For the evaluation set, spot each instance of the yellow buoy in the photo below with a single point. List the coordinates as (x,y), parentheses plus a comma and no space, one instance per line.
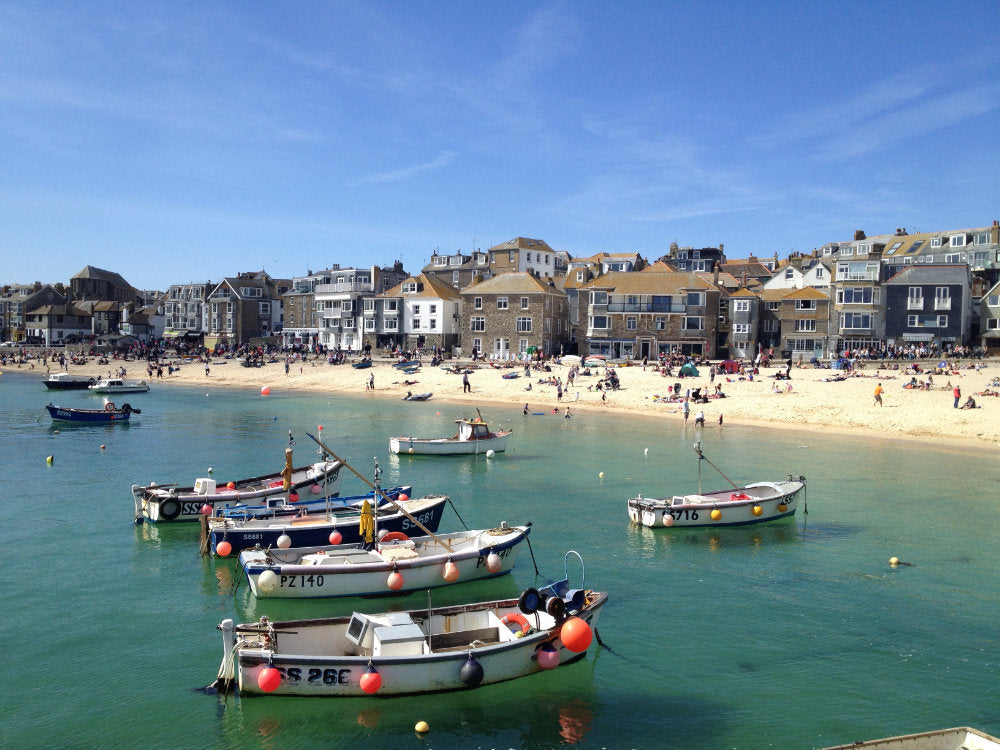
(716,514)
(601,474)
(48,460)
(756,510)
(894,561)
(422,727)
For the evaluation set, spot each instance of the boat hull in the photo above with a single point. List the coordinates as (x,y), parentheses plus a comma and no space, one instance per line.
(352,571)
(64,382)
(169,503)
(313,667)
(315,530)
(119,386)
(760,502)
(449,446)
(87,416)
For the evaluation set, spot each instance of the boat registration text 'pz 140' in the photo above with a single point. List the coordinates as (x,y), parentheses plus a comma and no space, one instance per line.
(301,581)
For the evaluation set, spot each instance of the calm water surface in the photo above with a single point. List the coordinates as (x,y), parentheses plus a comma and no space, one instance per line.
(790,635)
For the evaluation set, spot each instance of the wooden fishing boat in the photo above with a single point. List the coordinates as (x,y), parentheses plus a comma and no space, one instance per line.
(738,506)
(473,436)
(396,564)
(110,413)
(63,381)
(418,651)
(282,506)
(169,502)
(957,738)
(315,529)
(119,385)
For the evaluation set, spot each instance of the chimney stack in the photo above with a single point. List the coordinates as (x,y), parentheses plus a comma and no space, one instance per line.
(859,234)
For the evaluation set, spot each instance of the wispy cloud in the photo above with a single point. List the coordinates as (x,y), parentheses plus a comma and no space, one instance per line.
(406,173)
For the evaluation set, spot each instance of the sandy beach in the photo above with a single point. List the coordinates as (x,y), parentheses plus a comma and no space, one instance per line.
(815,400)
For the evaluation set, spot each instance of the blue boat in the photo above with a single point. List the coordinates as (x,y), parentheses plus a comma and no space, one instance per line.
(314,530)
(362,364)
(110,413)
(282,506)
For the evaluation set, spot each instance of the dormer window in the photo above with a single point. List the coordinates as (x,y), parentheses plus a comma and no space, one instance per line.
(958,240)
(936,242)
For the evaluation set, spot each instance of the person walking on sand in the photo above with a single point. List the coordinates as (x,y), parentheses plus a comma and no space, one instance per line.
(957,393)
(466,386)
(370,385)
(878,395)
(686,408)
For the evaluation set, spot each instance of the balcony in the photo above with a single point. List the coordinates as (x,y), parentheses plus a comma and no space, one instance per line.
(643,307)
(915,303)
(942,303)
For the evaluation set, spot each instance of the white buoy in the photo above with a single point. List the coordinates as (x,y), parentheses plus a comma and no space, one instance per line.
(284,541)
(601,474)
(267,581)
(645,451)
(490,453)
(209,469)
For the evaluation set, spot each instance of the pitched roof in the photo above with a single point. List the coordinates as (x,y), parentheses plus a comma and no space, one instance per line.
(515,282)
(523,243)
(639,282)
(806,292)
(428,286)
(92,272)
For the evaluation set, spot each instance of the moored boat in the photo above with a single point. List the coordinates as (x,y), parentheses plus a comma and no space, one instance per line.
(169,502)
(64,381)
(473,436)
(315,529)
(396,564)
(283,506)
(416,396)
(119,385)
(110,413)
(758,502)
(419,651)
(957,738)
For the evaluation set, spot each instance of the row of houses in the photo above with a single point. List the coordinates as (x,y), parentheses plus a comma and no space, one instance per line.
(522,297)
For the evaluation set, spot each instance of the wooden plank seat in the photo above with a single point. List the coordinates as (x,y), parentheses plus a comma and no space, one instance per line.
(462,639)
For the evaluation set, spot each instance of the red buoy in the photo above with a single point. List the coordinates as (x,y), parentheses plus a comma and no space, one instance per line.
(403,497)
(576,634)
(395,580)
(336,537)
(223,548)
(450,573)
(269,679)
(371,681)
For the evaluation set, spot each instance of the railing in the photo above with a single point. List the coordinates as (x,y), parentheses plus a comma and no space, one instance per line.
(915,303)
(942,303)
(644,307)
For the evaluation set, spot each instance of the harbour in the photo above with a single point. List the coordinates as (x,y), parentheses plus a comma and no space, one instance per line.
(792,634)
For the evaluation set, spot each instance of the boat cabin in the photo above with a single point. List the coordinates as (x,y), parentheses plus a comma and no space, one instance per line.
(472,430)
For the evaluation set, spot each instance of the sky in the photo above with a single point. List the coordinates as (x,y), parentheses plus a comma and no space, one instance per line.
(174,142)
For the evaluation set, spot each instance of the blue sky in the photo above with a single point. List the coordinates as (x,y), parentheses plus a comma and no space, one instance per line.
(175,142)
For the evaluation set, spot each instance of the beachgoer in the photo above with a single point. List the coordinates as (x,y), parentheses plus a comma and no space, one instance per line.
(970,403)
(686,408)
(957,393)
(699,418)
(720,419)
(567,415)
(466,386)
(878,394)
(525,408)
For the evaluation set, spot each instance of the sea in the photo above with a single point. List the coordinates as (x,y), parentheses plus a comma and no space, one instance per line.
(795,634)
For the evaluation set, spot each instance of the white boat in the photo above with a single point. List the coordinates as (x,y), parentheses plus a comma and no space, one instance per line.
(737,506)
(958,738)
(119,385)
(473,436)
(419,651)
(169,502)
(396,564)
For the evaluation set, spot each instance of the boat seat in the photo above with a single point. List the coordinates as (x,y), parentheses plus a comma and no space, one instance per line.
(462,639)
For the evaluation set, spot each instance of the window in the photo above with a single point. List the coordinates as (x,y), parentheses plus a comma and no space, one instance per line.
(789,273)
(524,325)
(501,303)
(993,300)
(855,295)
(369,324)
(369,304)
(661,323)
(411,287)
(993,324)
(847,250)
(958,240)
(936,242)
(477,303)
(600,322)
(433,323)
(773,305)
(770,326)
(512,256)
(915,298)
(598,298)
(699,266)
(524,303)
(416,309)
(477,323)
(741,305)
(895,247)
(695,299)
(953,258)
(456,278)
(942,298)
(927,321)
(693,324)
(440,260)
(522,345)
(264,308)
(742,330)
(631,322)
(855,320)
(579,276)
(477,344)
(433,310)
(805,325)
(819,272)
(805,304)
(802,345)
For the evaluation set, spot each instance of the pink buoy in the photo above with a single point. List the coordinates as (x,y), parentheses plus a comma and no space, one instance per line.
(265,391)
(223,548)
(395,580)
(269,679)
(493,562)
(293,497)
(548,657)
(206,510)
(371,681)
(336,537)
(315,489)
(450,573)
(668,520)
(576,634)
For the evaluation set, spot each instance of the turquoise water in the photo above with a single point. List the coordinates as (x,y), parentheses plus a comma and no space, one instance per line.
(789,635)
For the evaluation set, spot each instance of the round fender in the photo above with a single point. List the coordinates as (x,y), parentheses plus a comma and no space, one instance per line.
(394,536)
(169,509)
(518,620)
(110,406)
